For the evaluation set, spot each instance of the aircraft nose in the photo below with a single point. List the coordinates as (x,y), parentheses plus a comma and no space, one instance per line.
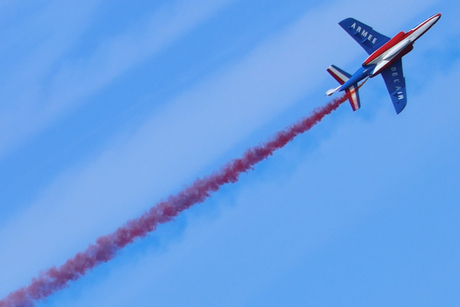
(433,19)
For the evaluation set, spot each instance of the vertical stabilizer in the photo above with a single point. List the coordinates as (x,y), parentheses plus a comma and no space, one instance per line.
(342,76)
(353,97)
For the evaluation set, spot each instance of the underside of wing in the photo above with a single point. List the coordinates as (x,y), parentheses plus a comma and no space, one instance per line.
(396,85)
(364,35)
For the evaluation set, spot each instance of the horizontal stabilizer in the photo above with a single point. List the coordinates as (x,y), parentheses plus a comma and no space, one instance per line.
(338,74)
(353,96)
(352,92)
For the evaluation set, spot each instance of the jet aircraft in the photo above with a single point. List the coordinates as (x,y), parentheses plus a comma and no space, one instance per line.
(385,58)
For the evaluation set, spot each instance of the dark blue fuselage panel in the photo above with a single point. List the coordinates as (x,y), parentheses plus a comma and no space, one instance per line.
(361,74)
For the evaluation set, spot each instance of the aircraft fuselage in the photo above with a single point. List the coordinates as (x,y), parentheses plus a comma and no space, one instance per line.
(384,58)
(398,46)
(394,49)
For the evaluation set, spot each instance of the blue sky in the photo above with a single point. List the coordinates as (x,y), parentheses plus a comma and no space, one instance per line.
(109,107)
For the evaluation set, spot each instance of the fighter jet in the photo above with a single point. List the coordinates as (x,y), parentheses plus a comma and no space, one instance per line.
(385,57)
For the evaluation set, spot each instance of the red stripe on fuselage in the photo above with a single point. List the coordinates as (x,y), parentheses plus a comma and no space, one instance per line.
(392,42)
(428,20)
(420,25)
(403,53)
(397,38)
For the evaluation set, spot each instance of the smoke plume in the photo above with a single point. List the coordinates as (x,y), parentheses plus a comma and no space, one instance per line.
(106,247)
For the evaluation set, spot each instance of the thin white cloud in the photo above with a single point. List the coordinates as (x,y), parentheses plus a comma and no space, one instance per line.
(31,48)
(35,102)
(274,224)
(172,146)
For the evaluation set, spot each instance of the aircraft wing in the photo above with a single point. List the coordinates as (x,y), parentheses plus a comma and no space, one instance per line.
(369,39)
(396,85)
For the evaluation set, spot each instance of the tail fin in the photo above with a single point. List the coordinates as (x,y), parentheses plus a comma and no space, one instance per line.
(351,92)
(338,74)
(353,97)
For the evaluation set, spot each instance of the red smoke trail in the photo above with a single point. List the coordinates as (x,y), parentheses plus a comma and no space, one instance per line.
(107,246)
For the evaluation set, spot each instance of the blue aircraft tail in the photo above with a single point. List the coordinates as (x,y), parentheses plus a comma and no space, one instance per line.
(352,92)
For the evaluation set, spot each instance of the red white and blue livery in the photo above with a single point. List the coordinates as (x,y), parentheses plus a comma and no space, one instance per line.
(385,58)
